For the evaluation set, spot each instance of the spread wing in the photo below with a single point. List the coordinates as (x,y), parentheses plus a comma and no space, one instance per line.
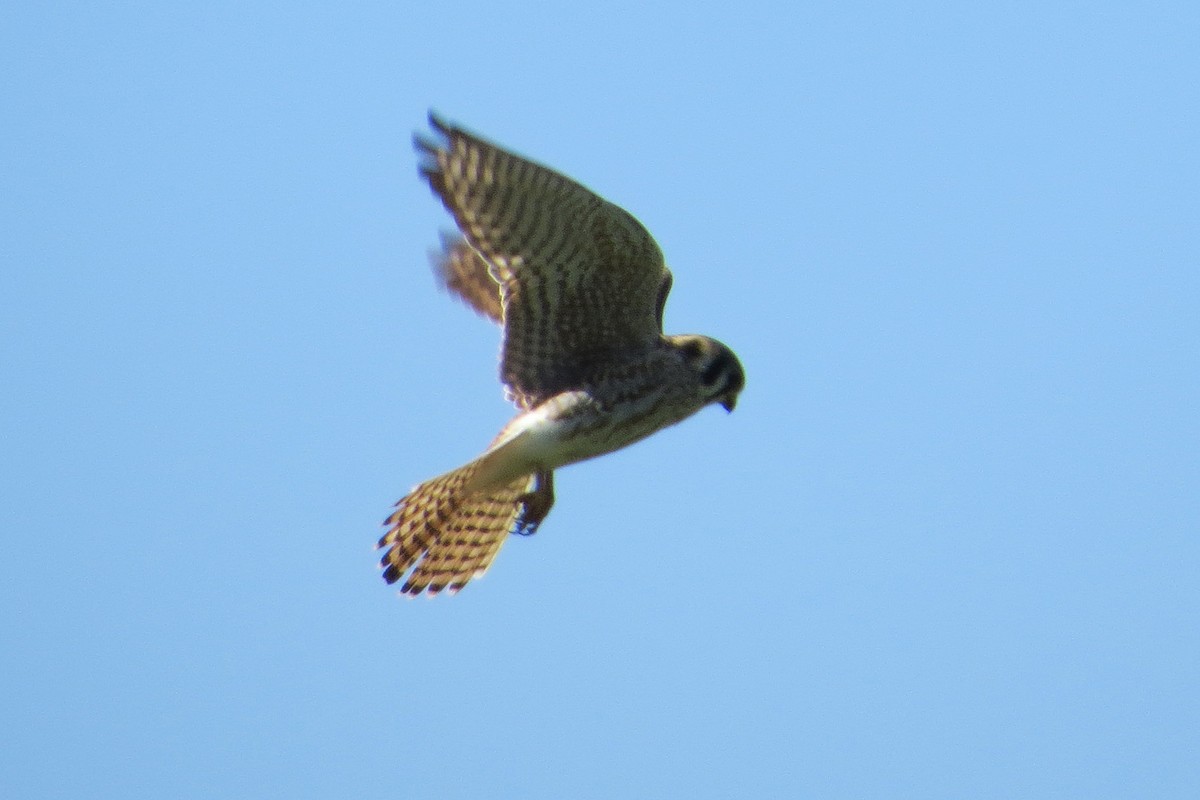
(582,283)
(464,273)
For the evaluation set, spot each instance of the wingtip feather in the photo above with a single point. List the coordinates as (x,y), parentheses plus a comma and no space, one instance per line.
(438,123)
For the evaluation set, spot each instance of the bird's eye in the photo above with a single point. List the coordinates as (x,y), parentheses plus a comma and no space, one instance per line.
(691,349)
(713,372)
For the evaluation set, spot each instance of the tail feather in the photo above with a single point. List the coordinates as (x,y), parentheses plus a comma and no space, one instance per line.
(447,535)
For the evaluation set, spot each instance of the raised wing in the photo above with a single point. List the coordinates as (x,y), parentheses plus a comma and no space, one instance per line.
(465,274)
(582,282)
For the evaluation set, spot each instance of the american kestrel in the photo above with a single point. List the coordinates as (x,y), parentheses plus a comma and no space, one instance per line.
(578,287)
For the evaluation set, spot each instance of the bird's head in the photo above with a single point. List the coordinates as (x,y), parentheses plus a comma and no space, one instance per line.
(720,373)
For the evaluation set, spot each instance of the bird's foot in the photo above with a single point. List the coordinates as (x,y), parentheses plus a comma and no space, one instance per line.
(535,505)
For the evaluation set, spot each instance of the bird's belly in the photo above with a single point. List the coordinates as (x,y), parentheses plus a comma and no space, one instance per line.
(593,429)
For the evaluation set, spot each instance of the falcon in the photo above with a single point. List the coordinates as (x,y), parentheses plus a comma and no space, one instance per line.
(578,287)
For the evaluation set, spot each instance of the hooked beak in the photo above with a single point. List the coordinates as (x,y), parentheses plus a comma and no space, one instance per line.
(728,402)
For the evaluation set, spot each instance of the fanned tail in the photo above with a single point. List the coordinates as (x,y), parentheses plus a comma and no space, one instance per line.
(446,535)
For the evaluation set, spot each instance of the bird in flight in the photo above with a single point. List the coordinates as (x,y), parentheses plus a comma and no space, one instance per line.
(577,286)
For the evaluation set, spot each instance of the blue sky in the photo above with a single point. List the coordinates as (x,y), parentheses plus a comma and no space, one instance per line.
(945,547)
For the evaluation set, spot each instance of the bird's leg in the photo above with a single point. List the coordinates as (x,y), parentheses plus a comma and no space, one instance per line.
(535,505)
